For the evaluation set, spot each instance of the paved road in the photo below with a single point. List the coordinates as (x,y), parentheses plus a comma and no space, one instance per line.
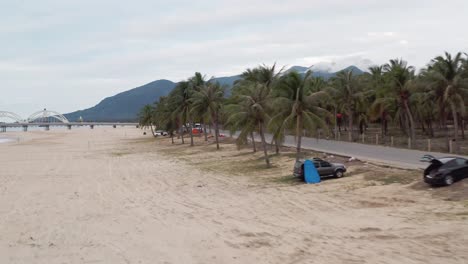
(402,158)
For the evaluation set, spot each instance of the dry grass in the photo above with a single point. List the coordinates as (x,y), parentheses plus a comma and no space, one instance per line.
(401,177)
(243,162)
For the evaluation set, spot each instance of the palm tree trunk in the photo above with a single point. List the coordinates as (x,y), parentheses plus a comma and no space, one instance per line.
(152,131)
(216,129)
(431,129)
(423,127)
(411,121)
(382,124)
(386,127)
(253,142)
(191,133)
(182,134)
(277,146)
(334,124)
(265,151)
(204,129)
(462,125)
(172,138)
(299,136)
(350,124)
(443,123)
(455,128)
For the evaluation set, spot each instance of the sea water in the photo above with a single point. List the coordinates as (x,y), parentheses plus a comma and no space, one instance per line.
(5,140)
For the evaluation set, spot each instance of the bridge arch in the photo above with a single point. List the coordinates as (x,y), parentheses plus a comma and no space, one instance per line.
(48,114)
(11,115)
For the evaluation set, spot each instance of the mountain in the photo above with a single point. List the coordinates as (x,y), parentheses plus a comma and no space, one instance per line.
(228,82)
(354,69)
(324,73)
(299,69)
(126,105)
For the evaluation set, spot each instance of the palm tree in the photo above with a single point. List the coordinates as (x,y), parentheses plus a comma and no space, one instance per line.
(424,109)
(209,101)
(145,117)
(197,82)
(163,116)
(446,78)
(465,65)
(251,110)
(181,104)
(298,106)
(383,105)
(194,83)
(241,118)
(348,94)
(400,76)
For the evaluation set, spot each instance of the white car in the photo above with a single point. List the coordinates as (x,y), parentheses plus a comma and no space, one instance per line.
(160,133)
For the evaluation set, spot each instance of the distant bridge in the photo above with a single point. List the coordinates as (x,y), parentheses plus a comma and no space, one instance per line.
(11,115)
(42,115)
(42,119)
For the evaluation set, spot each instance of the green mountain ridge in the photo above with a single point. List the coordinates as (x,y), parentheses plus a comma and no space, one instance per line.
(125,106)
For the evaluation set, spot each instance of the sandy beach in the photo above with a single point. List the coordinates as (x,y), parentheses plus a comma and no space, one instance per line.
(116,196)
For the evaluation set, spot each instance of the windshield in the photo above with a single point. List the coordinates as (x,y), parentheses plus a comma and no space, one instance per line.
(445,160)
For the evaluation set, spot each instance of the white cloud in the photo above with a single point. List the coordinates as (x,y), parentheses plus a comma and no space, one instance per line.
(80,51)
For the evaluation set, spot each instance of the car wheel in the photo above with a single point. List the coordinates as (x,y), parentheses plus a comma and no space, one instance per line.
(448,180)
(339,173)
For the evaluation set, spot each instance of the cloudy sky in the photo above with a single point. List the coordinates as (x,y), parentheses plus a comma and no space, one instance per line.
(69,54)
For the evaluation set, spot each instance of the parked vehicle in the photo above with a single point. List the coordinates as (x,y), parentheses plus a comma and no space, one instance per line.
(324,168)
(160,133)
(445,170)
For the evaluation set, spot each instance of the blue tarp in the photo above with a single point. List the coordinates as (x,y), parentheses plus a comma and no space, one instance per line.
(310,172)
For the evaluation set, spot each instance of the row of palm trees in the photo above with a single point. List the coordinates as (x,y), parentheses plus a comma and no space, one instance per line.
(271,101)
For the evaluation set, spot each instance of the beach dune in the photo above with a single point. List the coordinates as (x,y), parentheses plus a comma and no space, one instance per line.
(110,196)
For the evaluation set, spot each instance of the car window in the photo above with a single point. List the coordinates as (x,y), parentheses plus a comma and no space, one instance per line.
(325,164)
(450,164)
(445,160)
(316,164)
(460,162)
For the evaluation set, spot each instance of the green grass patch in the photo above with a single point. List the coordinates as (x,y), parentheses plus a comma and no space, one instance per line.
(393,177)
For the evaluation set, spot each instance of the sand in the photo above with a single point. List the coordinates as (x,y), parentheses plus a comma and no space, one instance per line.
(115,196)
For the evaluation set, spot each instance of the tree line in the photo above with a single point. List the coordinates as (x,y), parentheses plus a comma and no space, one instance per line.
(270,101)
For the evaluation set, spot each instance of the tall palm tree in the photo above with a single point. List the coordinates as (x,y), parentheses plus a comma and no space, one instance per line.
(194,83)
(423,105)
(348,93)
(241,118)
(145,117)
(209,101)
(465,65)
(181,104)
(383,105)
(446,77)
(299,106)
(400,76)
(251,110)
(163,116)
